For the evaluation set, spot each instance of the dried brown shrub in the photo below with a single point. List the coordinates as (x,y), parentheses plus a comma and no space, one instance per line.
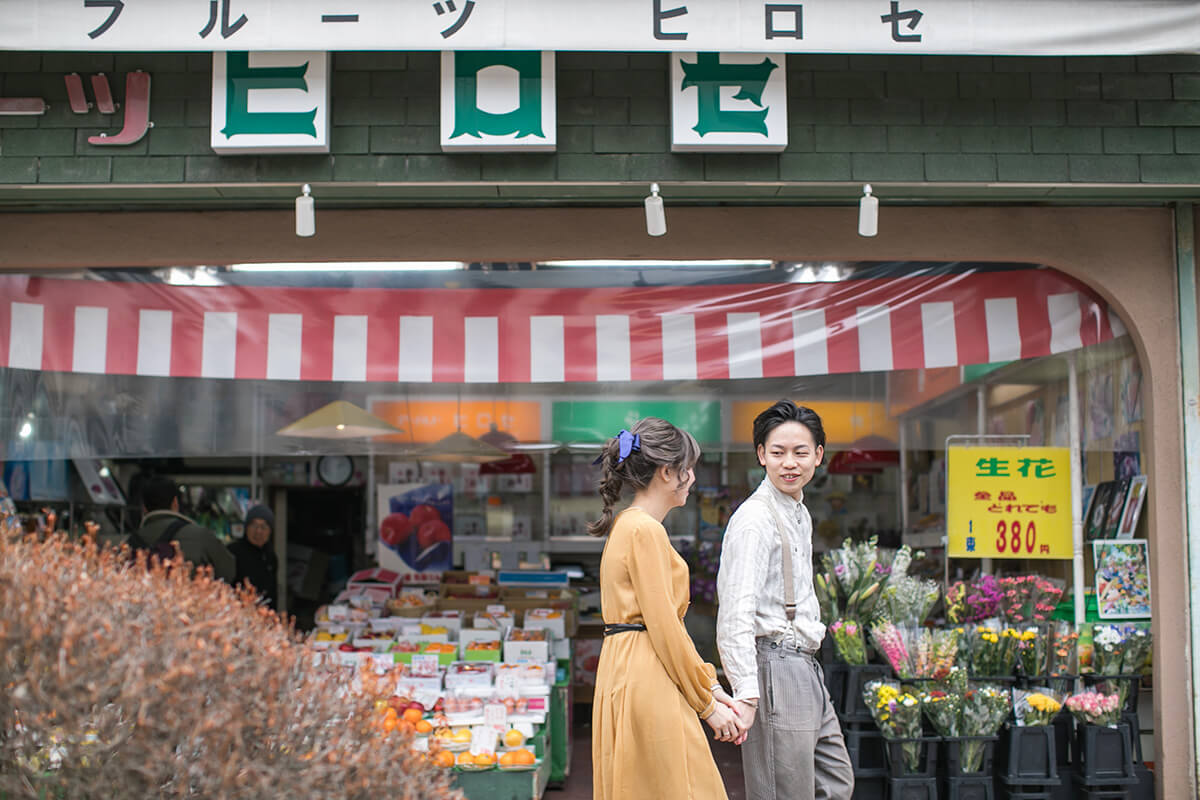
(123,681)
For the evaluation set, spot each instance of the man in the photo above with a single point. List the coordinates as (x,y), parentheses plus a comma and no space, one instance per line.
(199,545)
(768,636)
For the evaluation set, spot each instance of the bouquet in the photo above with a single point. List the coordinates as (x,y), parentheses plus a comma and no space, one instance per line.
(1137,651)
(972,601)
(1094,708)
(993,650)
(1108,650)
(898,715)
(907,600)
(1026,598)
(848,639)
(931,652)
(1034,707)
(1063,655)
(984,709)
(889,641)
(943,710)
(849,586)
(1031,650)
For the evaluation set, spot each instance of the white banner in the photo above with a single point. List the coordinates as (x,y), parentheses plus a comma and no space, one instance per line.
(927,27)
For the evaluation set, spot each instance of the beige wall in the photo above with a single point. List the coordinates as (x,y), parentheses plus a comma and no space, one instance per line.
(1127,255)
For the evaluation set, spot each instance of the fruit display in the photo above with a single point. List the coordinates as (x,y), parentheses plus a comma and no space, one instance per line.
(483,644)
(527,635)
(517,759)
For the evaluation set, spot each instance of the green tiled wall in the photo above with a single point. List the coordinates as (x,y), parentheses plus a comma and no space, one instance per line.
(851,118)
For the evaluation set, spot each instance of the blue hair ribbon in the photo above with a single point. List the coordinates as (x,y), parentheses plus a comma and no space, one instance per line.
(626,443)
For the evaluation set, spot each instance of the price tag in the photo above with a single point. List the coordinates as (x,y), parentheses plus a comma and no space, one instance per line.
(497,610)
(506,684)
(427,698)
(383,662)
(483,739)
(424,666)
(495,716)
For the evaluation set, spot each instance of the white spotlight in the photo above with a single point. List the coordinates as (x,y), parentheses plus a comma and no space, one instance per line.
(306,218)
(656,217)
(868,213)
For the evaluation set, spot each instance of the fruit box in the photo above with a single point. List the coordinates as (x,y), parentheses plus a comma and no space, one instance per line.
(449,619)
(469,673)
(516,649)
(479,654)
(548,619)
(375,578)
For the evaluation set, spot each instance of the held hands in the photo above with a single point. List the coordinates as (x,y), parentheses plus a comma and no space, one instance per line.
(724,723)
(742,717)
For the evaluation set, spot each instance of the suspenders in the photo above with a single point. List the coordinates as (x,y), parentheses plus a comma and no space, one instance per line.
(789,582)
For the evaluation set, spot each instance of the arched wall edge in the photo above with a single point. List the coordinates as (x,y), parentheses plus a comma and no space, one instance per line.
(1126,254)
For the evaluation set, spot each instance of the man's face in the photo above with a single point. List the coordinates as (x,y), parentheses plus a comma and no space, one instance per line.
(790,457)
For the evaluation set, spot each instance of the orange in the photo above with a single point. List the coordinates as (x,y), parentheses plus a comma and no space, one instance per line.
(443,758)
(404,726)
(523,757)
(465,757)
(485,759)
(390,713)
(389,724)
(508,759)
(412,714)
(513,738)
(424,726)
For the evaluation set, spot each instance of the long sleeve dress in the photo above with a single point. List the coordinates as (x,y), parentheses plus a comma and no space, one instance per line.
(652,687)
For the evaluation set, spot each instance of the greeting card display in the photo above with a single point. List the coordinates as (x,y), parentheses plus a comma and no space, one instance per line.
(1122,578)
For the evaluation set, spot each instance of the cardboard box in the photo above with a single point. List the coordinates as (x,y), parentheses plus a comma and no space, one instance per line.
(518,650)
(451,619)
(375,578)
(492,654)
(463,674)
(548,619)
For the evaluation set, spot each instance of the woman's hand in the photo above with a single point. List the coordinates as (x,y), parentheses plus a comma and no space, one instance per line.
(724,723)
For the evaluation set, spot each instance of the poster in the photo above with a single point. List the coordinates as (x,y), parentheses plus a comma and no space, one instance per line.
(1097,512)
(1127,455)
(1133,507)
(416,530)
(1122,578)
(1099,406)
(1009,502)
(1131,391)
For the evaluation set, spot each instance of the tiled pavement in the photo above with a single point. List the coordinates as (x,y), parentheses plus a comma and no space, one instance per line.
(578,785)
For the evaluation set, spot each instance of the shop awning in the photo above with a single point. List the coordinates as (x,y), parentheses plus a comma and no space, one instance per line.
(545,335)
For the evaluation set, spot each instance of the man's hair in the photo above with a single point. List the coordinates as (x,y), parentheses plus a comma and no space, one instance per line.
(787,411)
(158,492)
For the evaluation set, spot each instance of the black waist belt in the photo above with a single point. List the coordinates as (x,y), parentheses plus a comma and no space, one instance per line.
(611,628)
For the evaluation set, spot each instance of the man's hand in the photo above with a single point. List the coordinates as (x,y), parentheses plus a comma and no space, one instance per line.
(745,714)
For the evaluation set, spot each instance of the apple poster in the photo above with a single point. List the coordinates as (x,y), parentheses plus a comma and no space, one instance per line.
(415,524)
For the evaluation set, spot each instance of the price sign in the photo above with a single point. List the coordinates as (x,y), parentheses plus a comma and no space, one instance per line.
(495,716)
(506,685)
(483,739)
(1009,502)
(427,697)
(424,666)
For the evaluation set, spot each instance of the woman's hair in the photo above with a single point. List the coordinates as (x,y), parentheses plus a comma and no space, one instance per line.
(658,443)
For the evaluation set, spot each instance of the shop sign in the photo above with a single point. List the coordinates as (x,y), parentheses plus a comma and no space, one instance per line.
(270,103)
(426,421)
(728,101)
(844,421)
(977,27)
(1009,502)
(498,101)
(597,421)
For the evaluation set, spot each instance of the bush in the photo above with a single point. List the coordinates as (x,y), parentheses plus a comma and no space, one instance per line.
(123,680)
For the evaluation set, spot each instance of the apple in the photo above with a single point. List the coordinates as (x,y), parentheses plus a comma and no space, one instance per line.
(430,533)
(424,513)
(417,706)
(395,529)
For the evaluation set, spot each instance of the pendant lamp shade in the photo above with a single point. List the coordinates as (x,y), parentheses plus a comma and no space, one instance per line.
(339,420)
(460,448)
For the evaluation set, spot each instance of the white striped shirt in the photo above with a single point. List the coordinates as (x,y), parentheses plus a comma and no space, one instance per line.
(750,586)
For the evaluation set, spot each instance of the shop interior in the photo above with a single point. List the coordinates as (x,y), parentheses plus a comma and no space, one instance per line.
(80,445)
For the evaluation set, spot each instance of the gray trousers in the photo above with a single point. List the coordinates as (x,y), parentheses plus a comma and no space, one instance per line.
(795,750)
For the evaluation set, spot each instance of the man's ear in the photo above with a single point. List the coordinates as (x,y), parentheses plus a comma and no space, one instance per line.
(761,452)
(820,455)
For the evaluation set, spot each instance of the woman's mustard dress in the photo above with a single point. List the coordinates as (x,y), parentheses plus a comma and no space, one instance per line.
(652,687)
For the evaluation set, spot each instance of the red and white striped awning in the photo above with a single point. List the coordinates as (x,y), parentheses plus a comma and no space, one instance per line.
(546,335)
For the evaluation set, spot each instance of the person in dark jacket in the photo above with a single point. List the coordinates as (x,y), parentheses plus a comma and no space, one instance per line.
(199,545)
(255,554)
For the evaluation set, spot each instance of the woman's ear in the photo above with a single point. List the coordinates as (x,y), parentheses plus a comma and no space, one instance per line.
(664,474)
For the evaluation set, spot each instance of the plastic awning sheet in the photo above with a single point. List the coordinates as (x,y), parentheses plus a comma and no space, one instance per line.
(547,335)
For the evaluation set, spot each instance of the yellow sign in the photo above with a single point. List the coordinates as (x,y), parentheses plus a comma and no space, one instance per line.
(1009,502)
(845,421)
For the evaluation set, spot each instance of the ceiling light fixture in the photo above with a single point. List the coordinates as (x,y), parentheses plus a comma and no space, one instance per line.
(306,218)
(656,217)
(351,266)
(868,213)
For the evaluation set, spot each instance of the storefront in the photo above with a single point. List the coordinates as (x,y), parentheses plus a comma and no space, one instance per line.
(1024,178)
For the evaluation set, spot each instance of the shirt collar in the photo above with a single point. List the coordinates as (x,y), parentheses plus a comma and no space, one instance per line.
(785,501)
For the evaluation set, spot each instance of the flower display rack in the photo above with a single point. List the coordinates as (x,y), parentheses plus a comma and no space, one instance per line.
(1028,756)
(969,787)
(1025,793)
(1104,755)
(865,746)
(845,683)
(912,788)
(953,756)
(926,766)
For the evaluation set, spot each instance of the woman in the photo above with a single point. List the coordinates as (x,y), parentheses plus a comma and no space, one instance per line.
(652,687)
(255,554)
